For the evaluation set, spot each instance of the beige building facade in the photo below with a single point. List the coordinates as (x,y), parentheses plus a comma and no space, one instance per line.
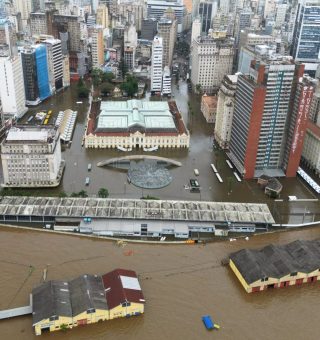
(209,108)
(225,107)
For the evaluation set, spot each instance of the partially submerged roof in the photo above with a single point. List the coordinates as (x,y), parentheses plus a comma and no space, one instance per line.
(122,286)
(277,261)
(87,292)
(52,298)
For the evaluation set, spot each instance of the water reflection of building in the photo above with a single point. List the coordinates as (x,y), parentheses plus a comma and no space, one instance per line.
(136,124)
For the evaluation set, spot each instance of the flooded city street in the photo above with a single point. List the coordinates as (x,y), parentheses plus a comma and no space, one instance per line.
(199,156)
(181,283)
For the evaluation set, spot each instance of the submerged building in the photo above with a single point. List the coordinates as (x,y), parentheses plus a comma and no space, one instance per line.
(31,157)
(277,266)
(87,299)
(135,124)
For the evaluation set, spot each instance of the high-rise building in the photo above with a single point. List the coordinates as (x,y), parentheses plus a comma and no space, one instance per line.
(211,60)
(103,16)
(156,9)
(38,23)
(166,81)
(25,8)
(12,94)
(206,11)
(31,157)
(167,30)
(35,73)
(225,107)
(196,29)
(269,118)
(149,28)
(97,46)
(281,11)
(55,63)
(243,20)
(156,65)
(306,36)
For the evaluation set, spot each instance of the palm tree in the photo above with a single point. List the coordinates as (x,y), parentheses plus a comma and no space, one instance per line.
(103,193)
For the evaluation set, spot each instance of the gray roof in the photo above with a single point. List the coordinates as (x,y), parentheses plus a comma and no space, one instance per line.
(61,298)
(87,292)
(277,261)
(136,209)
(50,299)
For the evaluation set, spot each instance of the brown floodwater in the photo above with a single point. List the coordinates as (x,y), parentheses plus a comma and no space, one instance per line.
(180,283)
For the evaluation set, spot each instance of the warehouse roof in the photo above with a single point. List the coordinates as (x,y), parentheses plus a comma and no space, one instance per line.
(277,261)
(122,286)
(51,299)
(136,209)
(87,292)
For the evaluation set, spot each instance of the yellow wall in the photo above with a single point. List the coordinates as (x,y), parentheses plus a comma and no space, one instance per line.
(120,311)
(239,276)
(54,325)
(92,317)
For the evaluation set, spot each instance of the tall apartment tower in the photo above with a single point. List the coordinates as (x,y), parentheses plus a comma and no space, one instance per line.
(156,65)
(31,157)
(167,30)
(207,9)
(103,16)
(196,29)
(306,35)
(97,46)
(225,107)
(166,81)
(268,119)
(211,60)
(55,63)
(12,92)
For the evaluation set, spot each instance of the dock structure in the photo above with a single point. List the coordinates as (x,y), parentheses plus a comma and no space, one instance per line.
(114,216)
(19,311)
(277,266)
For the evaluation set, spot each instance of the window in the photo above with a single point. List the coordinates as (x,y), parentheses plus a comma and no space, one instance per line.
(293,274)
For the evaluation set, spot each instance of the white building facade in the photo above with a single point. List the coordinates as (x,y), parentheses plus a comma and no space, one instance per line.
(166,81)
(156,65)
(31,157)
(211,60)
(12,92)
(225,107)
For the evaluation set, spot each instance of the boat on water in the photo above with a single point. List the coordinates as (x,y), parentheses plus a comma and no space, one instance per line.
(87,180)
(154,148)
(120,148)
(89,167)
(209,324)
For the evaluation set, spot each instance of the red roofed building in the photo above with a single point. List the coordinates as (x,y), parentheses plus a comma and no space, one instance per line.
(123,293)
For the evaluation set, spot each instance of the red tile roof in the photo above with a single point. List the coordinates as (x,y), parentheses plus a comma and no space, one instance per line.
(116,294)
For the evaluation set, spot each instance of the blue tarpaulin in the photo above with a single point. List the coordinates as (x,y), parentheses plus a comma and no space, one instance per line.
(208,322)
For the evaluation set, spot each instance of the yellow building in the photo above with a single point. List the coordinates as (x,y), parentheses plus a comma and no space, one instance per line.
(209,108)
(277,266)
(123,293)
(85,300)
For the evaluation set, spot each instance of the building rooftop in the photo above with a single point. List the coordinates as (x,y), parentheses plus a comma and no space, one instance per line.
(122,286)
(126,114)
(277,261)
(211,101)
(21,134)
(136,209)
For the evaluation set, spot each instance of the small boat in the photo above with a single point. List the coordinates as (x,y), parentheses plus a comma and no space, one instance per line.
(87,180)
(154,148)
(120,148)
(209,324)
(89,167)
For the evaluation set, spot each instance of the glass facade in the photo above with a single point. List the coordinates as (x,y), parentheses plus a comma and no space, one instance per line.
(42,72)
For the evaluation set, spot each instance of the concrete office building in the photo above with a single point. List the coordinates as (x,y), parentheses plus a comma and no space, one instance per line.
(207,9)
(156,65)
(167,30)
(156,9)
(31,157)
(225,107)
(102,16)
(281,11)
(269,118)
(311,147)
(211,60)
(306,35)
(25,8)
(12,92)
(55,63)
(166,81)
(38,23)
(97,46)
(196,29)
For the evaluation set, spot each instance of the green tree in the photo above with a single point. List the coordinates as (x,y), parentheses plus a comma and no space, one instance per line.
(96,76)
(107,77)
(62,194)
(130,86)
(199,88)
(82,90)
(103,193)
(106,88)
(82,193)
